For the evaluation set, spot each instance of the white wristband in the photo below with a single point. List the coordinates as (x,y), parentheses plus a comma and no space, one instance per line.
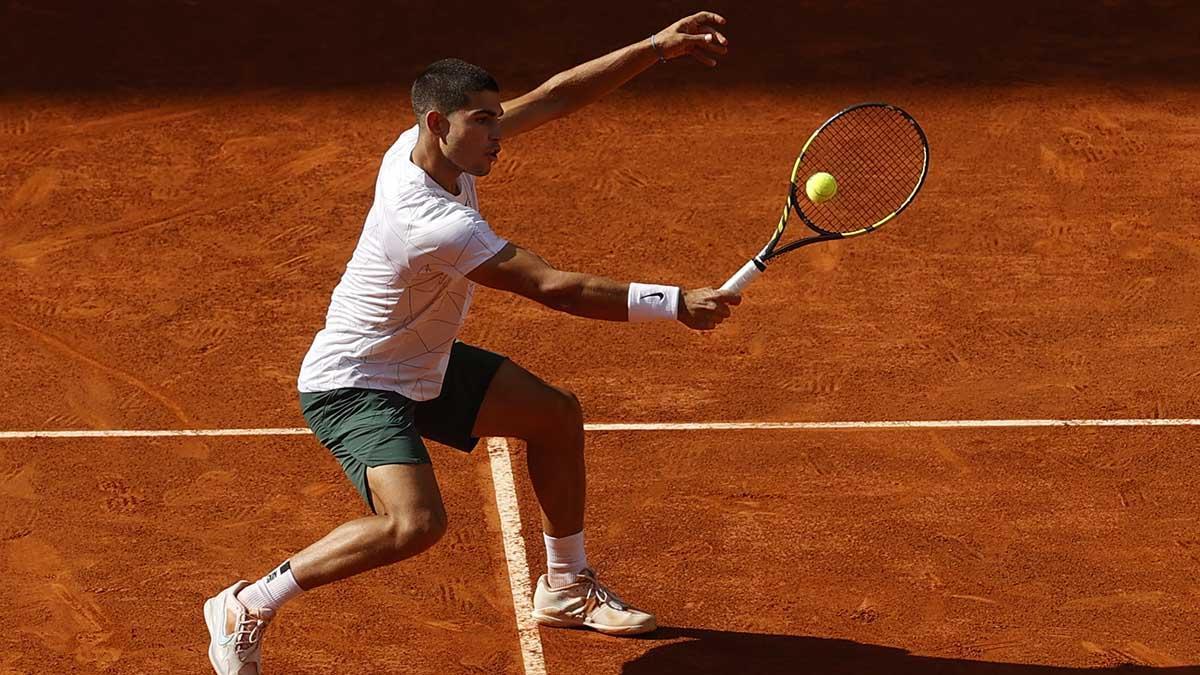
(650,302)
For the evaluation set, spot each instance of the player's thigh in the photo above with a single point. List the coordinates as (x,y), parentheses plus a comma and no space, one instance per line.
(408,491)
(518,404)
(365,428)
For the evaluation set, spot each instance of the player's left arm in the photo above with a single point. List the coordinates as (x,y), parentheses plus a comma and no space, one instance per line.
(695,36)
(520,271)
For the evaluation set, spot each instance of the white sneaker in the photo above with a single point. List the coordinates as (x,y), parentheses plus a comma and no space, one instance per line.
(238,652)
(588,603)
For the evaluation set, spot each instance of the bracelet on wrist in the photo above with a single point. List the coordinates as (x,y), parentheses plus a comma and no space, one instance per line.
(657,50)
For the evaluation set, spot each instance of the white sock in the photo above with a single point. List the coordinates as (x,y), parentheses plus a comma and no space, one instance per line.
(271,591)
(565,558)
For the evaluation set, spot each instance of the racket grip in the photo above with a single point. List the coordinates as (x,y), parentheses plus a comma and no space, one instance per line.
(744,276)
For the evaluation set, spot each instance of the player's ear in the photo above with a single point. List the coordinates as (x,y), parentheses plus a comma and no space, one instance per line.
(437,123)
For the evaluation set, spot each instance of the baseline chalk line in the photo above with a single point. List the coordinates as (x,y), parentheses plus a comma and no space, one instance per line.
(650,426)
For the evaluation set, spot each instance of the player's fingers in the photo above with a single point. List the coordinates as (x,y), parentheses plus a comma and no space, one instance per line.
(729,297)
(707,17)
(714,45)
(708,61)
(718,38)
(709,39)
(718,307)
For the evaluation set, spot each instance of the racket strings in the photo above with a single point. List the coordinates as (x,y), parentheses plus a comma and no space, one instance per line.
(878,157)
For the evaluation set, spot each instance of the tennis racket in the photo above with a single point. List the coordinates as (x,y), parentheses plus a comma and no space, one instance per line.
(877,154)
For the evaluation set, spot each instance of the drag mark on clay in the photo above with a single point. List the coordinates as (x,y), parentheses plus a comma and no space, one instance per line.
(212,337)
(974,598)
(17,520)
(510,168)
(1134,653)
(290,268)
(17,482)
(959,549)
(35,190)
(991,646)
(64,348)
(1131,495)
(125,227)
(1117,600)
(866,612)
(947,453)
(1135,293)
(123,121)
(311,159)
(54,609)
(305,230)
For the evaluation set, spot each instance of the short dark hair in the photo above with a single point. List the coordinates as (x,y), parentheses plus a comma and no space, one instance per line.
(445,85)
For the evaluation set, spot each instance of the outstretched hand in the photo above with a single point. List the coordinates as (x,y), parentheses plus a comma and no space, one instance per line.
(695,36)
(704,308)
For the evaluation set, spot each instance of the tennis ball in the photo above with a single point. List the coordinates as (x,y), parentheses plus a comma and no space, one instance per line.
(820,187)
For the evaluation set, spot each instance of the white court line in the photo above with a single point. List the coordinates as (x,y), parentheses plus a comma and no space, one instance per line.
(651,426)
(514,551)
(913,424)
(153,433)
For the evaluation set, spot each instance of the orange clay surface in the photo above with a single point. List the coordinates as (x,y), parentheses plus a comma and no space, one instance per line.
(167,252)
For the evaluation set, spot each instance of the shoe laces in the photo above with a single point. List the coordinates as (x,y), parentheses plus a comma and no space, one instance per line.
(599,594)
(247,634)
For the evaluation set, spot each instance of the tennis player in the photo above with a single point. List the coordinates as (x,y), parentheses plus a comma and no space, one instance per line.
(386,371)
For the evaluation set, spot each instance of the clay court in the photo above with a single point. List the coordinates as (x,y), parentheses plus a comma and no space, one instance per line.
(181,185)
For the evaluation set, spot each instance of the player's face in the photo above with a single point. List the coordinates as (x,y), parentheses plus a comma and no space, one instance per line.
(473,143)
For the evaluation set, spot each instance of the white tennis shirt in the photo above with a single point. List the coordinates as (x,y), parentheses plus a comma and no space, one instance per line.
(404,295)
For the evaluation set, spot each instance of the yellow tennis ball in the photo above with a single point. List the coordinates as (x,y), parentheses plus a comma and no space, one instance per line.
(820,187)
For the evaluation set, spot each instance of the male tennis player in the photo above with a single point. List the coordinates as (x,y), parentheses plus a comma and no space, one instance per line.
(386,370)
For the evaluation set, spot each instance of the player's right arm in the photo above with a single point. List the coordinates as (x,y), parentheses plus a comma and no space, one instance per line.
(695,36)
(523,272)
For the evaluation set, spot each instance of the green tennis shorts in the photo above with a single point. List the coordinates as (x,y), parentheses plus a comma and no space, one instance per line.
(372,427)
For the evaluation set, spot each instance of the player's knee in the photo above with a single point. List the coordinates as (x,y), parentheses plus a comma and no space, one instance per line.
(414,531)
(573,409)
(557,420)
(567,415)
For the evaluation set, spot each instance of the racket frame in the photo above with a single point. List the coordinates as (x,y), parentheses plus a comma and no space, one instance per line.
(758,264)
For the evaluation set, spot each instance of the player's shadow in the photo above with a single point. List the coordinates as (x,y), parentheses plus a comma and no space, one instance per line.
(713,652)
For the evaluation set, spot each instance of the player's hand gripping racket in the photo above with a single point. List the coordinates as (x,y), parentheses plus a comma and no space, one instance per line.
(859,170)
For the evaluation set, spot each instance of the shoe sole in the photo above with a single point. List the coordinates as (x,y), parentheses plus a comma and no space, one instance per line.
(210,608)
(555,622)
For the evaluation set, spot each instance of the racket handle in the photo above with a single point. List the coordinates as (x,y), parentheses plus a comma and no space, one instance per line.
(744,276)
